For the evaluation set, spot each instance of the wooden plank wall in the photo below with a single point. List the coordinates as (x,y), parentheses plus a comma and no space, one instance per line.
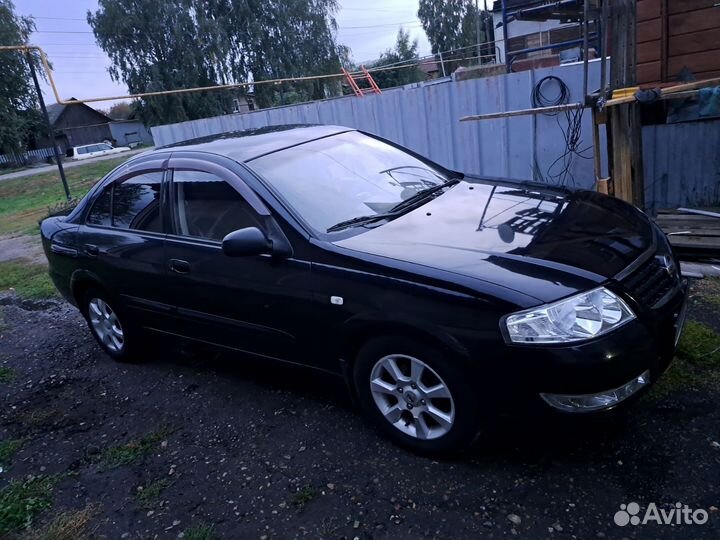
(672,34)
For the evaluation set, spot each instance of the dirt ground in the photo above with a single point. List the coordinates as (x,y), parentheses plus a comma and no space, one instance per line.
(22,246)
(156,450)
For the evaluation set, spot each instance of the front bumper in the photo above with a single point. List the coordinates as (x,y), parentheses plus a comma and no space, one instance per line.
(596,375)
(598,401)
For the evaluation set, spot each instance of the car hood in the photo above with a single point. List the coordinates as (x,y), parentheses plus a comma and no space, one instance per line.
(544,243)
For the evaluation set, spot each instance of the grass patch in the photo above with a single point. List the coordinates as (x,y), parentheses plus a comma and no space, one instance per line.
(131,452)
(201,531)
(22,501)
(681,375)
(304,495)
(6,374)
(8,449)
(699,345)
(709,290)
(71,525)
(24,201)
(148,495)
(30,280)
(698,352)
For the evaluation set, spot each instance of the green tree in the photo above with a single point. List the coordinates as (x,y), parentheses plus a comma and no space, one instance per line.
(452,25)
(171,44)
(405,51)
(120,111)
(20,121)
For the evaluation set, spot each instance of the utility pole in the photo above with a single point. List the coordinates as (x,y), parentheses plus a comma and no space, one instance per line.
(627,173)
(50,131)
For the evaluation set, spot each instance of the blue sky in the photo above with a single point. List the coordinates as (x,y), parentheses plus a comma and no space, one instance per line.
(368,27)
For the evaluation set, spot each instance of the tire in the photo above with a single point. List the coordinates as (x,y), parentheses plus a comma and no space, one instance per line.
(422,417)
(110,326)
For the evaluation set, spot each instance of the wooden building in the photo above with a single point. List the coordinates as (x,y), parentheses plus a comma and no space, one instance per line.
(76,125)
(673,35)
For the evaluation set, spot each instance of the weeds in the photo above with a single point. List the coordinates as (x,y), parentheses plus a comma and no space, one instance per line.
(6,374)
(22,501)
(128,453)
(8,449)
(71,525)
(304,495)
(201,531)
(148,495)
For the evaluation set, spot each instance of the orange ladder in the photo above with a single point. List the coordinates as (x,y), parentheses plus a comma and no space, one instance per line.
(353,78)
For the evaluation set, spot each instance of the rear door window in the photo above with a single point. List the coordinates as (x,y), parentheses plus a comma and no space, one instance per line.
(131,204)
(136,203)
(100,214)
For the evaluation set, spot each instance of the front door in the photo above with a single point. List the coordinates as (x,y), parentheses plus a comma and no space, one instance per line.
(254,303)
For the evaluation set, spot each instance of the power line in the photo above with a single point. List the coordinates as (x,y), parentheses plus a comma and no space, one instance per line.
(58,18)
(383,25)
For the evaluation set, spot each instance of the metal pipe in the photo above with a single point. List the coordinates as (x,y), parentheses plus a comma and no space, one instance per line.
(543,48)
(586,30)
(477,29)
(518,14)
(488,24)
(603,48)
(506,38)
(700,212)
(50,130)
(523,112)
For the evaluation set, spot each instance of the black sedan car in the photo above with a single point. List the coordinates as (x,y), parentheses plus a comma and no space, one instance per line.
(442,299)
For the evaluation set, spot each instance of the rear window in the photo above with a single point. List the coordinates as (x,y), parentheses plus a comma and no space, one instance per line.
(100,212)
(136,203)
(132,204)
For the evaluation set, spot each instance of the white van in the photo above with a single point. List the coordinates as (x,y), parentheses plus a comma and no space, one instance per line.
(94,150)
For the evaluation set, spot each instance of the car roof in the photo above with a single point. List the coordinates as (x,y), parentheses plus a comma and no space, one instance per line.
(245,145)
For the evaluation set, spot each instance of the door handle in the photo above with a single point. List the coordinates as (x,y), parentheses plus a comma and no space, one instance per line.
(92,250)
(179,266)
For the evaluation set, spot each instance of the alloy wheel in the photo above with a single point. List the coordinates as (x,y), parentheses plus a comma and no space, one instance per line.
(412,396)
(106,325)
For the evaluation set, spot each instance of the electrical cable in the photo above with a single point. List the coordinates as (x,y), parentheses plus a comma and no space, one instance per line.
(559,170)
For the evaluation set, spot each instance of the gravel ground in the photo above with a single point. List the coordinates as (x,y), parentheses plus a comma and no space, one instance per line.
(263,452)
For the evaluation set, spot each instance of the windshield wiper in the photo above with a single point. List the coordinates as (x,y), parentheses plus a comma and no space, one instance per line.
(395,211)
(361,220)
(422,194)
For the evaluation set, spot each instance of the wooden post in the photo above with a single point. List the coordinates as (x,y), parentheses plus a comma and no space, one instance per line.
(625,129)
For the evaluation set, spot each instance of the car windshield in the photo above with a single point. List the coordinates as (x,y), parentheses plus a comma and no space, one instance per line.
(346,176)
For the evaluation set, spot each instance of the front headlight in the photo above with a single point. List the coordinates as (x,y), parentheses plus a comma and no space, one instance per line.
(583,316)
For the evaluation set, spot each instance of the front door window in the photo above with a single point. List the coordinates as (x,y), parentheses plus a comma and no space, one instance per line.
(206,206)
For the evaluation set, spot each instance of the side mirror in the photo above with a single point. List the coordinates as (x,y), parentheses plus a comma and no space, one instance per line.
(246,242)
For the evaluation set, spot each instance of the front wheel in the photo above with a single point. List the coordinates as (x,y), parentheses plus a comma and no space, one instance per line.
(419,396)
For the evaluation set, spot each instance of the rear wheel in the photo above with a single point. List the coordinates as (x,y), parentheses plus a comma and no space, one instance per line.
(419,396)
(113,332)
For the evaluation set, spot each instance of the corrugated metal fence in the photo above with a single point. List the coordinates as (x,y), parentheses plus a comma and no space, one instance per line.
(426,119)
(681,161)
(682,164)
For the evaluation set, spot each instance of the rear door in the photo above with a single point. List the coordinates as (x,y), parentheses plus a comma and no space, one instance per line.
(122,243)
(256,304)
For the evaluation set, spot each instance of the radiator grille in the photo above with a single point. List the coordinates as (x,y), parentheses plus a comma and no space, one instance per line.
(651,282)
